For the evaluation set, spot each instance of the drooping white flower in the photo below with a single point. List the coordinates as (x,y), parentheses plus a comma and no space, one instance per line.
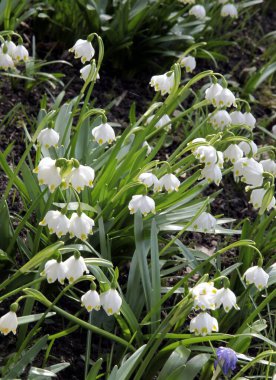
(104,133)
(226,298)
(212,92)
(20,53)
(170,182)
(250,170)
(237,117)
(198,11)
(189,63)
(55,270)
(143,203)
(165,119)
(80,177)
(57,223)
(91,300)
(256,198)
(203,324)
(8,323)
(233,153)
(85,72)
(257,276)
(229,10)
(111,301)
(205,222)
(220,119)
(83,49)
(225,98)
(75,267)
(48,174)
(149,149)
(203,296)
(10,46)
(163,83)
(220,160)
(81,226)
(149,180)
(48,137)
(6,61)
(206,154)
(249,119)
(269,166)
(212,173)
(248,147)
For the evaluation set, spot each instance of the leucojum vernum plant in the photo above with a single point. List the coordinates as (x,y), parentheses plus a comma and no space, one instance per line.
(95,195)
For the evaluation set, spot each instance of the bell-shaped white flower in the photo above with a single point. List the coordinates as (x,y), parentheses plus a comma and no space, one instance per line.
(203,324)
(143,203)
(226,298)
(81,226)
(48,137)
(91,300)
(269,166)
(6,61)
(149,149)
(75,267)
(229,10)
(83,49)
(8,323)
(212,92)
(57,223)
(20,53)
(256,199)
(80,177)
(163,83)
(111,301)
(225,98)
(10,46)
(170,182)
(250,170)
(248,148)
(149,180)
(164,120)
(233,153)
(198,11)
(257,276)
(48,174)
(206,154)
(237,118)
(104,133)
(86,71)
(212,173)
(189,63)
(249,119)
(203,296)
(55,270)
(221,119)
(204,222)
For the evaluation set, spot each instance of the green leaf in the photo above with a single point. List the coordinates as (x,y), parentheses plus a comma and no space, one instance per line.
(33,318)
(93,373)
(177,359)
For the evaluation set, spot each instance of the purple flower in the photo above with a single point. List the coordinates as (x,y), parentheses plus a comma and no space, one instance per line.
(227,359)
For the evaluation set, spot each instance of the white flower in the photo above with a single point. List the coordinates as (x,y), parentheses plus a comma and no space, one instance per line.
(143,203)
(81,177)
(80,226)
(20,53)
(75,267)
(248,147)
(250,170)
(8,323)
(10,46)
(189,63)
(48,137)
(233,153)
(57,223)
(203,296)
(149,180)
(149,149)
(269,166)
(237,118)
(83,49)
(257,276)
(229,10)
(163,83)
(48,174)
(91,300)
(249,119)
(205,222)
(203,324)
(257,197)
(165,119)
(226,298)
(220,119)
(225,98)
(85,72)
(55,270)
(198,11)
(104,133)
(212,173)
(111,301)
(170,182)
(206,154)
(6,61)
(197,140)
(212,92)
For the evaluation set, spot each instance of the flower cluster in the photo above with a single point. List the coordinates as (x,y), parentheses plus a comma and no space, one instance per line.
(11,54)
